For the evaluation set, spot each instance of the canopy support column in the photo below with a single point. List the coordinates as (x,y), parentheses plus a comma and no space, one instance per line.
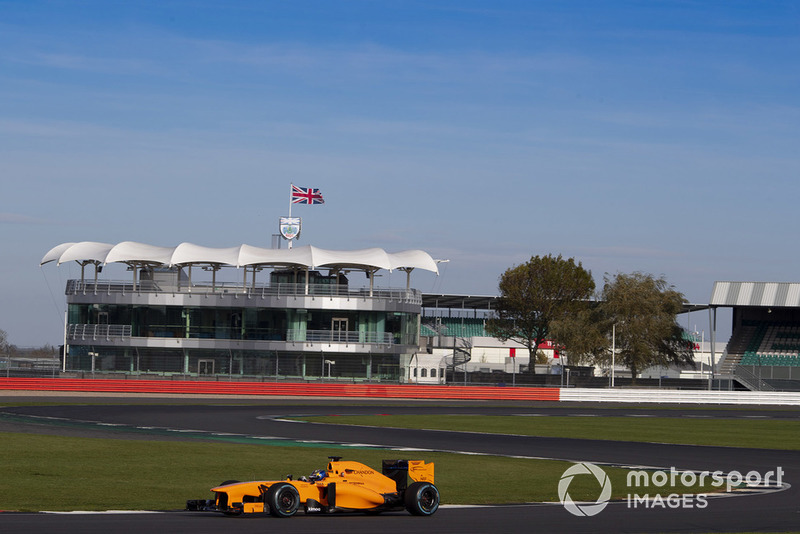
(408,276)
(371,273)
(712,318)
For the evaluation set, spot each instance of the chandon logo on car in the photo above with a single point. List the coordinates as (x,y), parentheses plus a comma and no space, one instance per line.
(360,472)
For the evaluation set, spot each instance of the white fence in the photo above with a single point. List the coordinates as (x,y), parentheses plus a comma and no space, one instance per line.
(680,396)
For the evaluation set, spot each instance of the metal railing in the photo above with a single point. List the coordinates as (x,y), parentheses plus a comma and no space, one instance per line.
(339,336)
(86,287)
(77,287)
(95,331)
(108,331)
(752,381)
(29,367)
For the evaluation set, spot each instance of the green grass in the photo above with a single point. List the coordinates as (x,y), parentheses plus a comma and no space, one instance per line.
(63,473)
(763,434)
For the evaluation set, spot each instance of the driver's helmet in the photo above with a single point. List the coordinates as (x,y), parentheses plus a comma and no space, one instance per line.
(317,475)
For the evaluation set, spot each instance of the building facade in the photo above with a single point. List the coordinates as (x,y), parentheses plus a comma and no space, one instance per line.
(293,315)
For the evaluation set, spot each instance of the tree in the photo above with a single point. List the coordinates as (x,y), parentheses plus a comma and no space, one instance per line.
(4,345)
(645,310)
(536,294)
(581,336)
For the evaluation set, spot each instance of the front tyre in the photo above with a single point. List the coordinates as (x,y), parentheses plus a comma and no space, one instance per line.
(421,498)
(283,499)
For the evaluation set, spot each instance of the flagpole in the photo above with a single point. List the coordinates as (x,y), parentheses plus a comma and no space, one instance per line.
(291,188)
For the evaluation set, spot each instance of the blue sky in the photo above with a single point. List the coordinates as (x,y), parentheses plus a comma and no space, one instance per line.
(655,136)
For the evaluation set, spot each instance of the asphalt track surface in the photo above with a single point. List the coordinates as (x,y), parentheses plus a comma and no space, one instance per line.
(776,511)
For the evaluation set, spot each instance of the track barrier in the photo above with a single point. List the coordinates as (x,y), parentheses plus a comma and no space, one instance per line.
(667,396)
(299,389)
(400,391)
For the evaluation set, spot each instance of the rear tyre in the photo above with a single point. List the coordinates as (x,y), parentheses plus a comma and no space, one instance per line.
(283,499)
(421,498)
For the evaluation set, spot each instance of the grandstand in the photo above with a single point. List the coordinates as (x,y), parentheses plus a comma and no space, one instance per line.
(450,341)
(453,334)
(764,349)
(454,327)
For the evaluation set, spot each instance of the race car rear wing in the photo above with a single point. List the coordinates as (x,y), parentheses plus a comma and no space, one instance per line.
(401,470)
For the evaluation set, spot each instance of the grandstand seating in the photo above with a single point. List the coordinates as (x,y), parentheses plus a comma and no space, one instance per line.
(773,344)
(755,358)
(426,331)
(455,326)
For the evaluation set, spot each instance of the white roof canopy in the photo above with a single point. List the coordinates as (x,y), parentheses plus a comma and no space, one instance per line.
(244,255)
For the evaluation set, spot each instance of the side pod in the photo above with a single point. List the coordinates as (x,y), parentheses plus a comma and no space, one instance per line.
(331,494)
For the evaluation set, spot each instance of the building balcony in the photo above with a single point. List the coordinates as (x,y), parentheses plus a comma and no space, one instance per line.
(98,331)
(148,287)
(340,336)
(80,333)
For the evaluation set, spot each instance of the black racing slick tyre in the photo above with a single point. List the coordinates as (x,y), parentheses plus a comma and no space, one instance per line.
(421,498)
(283,500)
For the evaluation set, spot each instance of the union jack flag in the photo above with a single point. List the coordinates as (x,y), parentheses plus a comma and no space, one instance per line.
(306,195)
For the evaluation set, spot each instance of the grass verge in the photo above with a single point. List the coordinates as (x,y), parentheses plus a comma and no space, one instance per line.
(64,473)
(762,434)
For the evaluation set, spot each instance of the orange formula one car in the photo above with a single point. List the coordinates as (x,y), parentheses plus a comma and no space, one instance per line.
(342,486)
